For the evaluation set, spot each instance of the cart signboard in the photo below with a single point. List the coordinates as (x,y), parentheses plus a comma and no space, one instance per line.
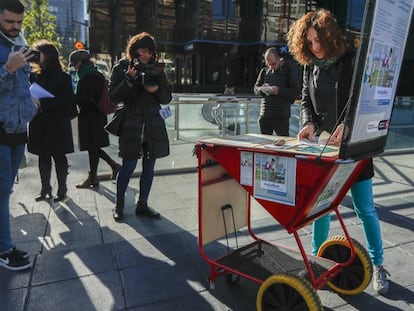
(275,178)
(382,43)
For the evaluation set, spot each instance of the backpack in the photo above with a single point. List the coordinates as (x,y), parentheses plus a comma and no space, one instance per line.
(105,105)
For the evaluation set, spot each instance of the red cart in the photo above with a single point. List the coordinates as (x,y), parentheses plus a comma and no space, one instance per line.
(295,184)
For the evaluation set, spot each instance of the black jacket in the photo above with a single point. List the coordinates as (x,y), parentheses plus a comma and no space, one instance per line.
(50,131)
(142,117)
(287,79)
(325,94)
(91,120)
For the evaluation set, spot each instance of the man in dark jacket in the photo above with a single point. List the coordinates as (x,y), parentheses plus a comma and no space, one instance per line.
(278,84)
(16,110)
(140,83)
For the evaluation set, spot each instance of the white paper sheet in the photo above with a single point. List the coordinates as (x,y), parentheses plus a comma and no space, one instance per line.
(38,92)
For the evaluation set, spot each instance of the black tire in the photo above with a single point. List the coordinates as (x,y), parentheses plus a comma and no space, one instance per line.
(354,278)
(287,292)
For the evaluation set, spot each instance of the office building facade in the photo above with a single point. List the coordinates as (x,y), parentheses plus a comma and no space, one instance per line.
(200,39)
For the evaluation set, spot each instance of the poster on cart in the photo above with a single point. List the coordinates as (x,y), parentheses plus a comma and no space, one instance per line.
(275,178)
(331,191)
(383,39)
(246,168)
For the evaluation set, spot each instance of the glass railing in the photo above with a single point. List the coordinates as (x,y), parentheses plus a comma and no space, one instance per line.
(200,116)
(401,133)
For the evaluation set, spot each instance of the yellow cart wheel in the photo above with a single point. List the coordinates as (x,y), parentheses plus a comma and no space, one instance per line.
(287,292)
(354,278)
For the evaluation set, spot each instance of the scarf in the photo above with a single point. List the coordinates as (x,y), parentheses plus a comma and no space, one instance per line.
(324,63)
(84,69)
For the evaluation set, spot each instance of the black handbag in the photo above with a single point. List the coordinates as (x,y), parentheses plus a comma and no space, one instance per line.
(114,126)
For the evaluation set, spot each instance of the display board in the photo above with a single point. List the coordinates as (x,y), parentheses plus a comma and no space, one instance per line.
(379,58)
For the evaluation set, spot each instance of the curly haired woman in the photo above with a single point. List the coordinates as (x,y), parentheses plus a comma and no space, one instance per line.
(316,42)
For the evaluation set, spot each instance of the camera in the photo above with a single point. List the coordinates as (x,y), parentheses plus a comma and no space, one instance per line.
(152,67)
(35,56)
(149,72)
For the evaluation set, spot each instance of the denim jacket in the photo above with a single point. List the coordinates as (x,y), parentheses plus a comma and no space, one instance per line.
(16,105)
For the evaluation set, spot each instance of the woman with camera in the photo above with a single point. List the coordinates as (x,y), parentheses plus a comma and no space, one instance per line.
(140,83)
(50,131)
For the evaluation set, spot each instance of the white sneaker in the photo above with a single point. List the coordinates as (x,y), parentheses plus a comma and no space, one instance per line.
(380,282)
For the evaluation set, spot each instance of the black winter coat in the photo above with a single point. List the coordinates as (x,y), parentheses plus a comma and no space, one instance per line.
(91,120)
(286,78)
(142,121)
(50,131)
(325,94)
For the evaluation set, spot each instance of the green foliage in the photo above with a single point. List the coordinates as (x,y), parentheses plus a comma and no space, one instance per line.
(38,23)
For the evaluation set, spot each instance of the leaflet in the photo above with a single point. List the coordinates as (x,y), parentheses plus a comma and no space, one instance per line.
(38,92)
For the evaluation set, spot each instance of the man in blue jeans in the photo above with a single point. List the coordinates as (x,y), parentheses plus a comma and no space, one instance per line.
(16,110)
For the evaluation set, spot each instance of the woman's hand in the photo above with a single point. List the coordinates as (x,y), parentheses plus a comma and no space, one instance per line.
(336,137)
(307,132)
(131,76)
(151,88)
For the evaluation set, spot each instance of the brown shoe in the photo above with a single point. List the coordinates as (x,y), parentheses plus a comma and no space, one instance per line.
(90,182)
(115,169)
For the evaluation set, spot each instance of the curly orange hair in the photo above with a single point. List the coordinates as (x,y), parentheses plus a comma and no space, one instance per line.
(330,36)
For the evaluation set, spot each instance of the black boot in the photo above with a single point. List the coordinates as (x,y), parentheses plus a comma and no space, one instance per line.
(118,212)
(62,175)
(144,210)
(44,195)
(45,166)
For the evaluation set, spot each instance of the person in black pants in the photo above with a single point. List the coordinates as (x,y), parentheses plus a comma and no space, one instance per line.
(50,131)
(91,121)
(278,84)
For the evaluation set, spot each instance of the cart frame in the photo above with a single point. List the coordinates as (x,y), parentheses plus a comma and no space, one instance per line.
(224,161)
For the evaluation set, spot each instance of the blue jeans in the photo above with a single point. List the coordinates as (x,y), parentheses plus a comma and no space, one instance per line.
(10,159)
(145,181)
(363,201)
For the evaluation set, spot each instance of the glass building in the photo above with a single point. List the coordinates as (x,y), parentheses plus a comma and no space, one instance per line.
(199,39)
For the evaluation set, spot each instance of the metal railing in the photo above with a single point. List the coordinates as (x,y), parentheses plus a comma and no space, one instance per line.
(198,116)
(212,115)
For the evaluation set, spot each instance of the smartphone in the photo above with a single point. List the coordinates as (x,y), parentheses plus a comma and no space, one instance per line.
(36,56)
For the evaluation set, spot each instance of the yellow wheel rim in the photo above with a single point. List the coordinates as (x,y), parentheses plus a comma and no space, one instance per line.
(354,278)
(287,292)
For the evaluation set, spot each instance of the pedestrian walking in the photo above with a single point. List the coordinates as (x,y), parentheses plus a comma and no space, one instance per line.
(91,121)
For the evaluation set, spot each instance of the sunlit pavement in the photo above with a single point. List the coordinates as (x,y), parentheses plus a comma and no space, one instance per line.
(83,260)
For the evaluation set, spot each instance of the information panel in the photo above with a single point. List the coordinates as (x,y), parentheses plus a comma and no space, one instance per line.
(383,38)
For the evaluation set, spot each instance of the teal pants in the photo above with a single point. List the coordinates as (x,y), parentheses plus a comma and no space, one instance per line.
(362,198)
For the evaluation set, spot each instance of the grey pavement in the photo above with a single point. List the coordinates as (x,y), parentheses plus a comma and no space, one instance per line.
(83,260)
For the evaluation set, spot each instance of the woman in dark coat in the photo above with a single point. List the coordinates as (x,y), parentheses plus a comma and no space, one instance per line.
(50,132)
(91,121)
(142,85)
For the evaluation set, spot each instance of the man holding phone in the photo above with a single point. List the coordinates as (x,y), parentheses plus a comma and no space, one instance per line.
(16,110)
